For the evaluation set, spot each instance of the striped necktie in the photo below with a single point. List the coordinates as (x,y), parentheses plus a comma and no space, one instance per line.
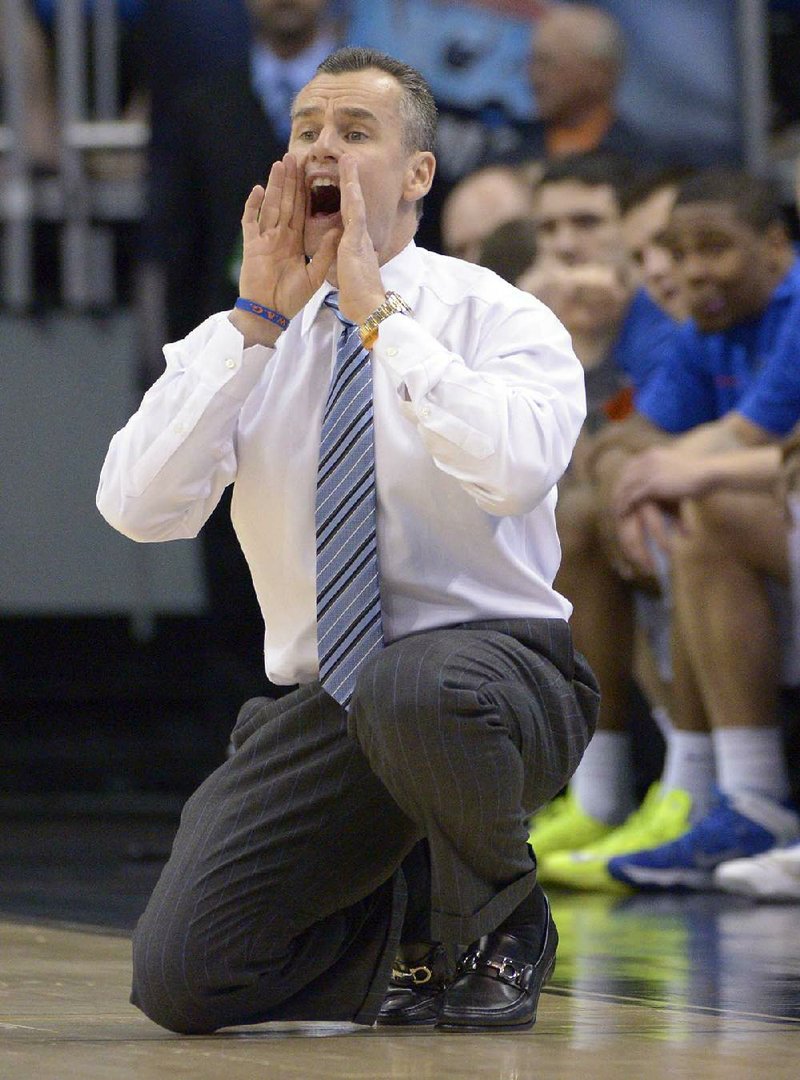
(348,595)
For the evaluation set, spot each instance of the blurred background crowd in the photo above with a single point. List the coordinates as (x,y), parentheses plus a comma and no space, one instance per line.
(631,165)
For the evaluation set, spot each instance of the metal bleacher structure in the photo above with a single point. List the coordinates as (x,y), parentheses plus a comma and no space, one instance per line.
(69,375)
(89,120)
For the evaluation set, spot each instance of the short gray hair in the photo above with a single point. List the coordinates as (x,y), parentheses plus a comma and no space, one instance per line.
(417,105)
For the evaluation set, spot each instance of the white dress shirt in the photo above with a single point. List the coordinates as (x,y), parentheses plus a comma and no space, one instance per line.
(478,401)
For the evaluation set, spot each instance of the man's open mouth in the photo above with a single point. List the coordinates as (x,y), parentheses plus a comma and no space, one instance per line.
(325,198)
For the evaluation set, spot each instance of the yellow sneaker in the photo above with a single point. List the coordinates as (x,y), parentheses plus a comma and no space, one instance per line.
(564,827)
(663,816)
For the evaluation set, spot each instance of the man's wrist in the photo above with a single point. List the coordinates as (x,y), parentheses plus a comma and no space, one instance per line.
(254,330)
(391,304)
(269,314)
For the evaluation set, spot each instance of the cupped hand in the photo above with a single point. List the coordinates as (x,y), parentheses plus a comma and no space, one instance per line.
(358,272)
(274,268)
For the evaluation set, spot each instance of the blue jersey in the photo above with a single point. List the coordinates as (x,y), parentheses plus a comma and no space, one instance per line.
(753,367)
(645,340)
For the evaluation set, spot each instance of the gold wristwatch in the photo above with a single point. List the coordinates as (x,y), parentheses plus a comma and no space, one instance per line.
(368,329)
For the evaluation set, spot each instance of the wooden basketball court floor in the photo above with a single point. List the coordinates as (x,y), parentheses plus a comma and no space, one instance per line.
(700,986)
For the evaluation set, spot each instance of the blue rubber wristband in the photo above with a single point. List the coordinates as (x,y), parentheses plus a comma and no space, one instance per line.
(262,312)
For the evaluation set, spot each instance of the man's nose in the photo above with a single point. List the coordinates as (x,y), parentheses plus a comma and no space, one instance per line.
(695,269)
(328,143)
(567,246)
(566,243)
(656,262)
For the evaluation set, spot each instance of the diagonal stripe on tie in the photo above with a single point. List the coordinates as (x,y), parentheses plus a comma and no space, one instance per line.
(348,565)
(349,624)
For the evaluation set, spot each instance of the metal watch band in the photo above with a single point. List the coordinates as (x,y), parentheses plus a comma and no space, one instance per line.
(368,329)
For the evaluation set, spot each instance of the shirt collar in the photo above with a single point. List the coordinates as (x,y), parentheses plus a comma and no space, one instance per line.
(402,274)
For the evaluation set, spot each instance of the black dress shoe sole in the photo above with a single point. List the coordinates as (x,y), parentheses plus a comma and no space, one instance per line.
(485,1029)
(428,1021)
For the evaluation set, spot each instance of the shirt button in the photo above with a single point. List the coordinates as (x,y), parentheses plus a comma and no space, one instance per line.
(392,351)
(230,363)
(179,429)
(425,413)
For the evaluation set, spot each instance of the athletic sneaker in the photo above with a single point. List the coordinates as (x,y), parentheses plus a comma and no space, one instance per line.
(775,875)
(565,825)
(661,817)
(736,827)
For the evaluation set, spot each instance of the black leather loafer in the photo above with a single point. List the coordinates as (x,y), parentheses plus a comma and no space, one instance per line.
(497,983)
(415,990)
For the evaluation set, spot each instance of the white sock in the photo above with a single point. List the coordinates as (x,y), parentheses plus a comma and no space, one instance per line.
(751,759)
(603,782)
(662,720)
(689,765)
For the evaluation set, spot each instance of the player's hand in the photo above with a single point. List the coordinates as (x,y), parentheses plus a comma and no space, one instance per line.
(662,473)
(643,536)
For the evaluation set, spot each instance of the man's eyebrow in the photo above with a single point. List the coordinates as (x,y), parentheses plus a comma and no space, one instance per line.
(308,110)
(357,113)
(352,112)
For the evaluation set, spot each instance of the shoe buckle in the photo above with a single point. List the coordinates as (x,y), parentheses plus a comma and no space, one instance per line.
(503,968)
(418,976)
(506,969)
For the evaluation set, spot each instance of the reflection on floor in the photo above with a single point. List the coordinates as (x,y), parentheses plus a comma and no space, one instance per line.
(672,985)
(703,951)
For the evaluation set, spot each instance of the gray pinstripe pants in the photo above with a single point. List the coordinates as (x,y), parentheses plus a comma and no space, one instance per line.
(283,897)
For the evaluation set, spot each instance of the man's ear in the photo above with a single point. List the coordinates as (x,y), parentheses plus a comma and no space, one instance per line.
(777,241)
(419,176)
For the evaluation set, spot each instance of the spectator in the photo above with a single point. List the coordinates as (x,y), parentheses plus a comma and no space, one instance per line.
(646,205)
(577,209)
(478,204)
(510,249)
(475,55)
(621,337)
(682,90)
(577,61)
(731,381)
(775,874)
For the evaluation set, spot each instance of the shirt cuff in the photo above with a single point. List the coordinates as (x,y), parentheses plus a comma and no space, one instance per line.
(222,363)
(414,358)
